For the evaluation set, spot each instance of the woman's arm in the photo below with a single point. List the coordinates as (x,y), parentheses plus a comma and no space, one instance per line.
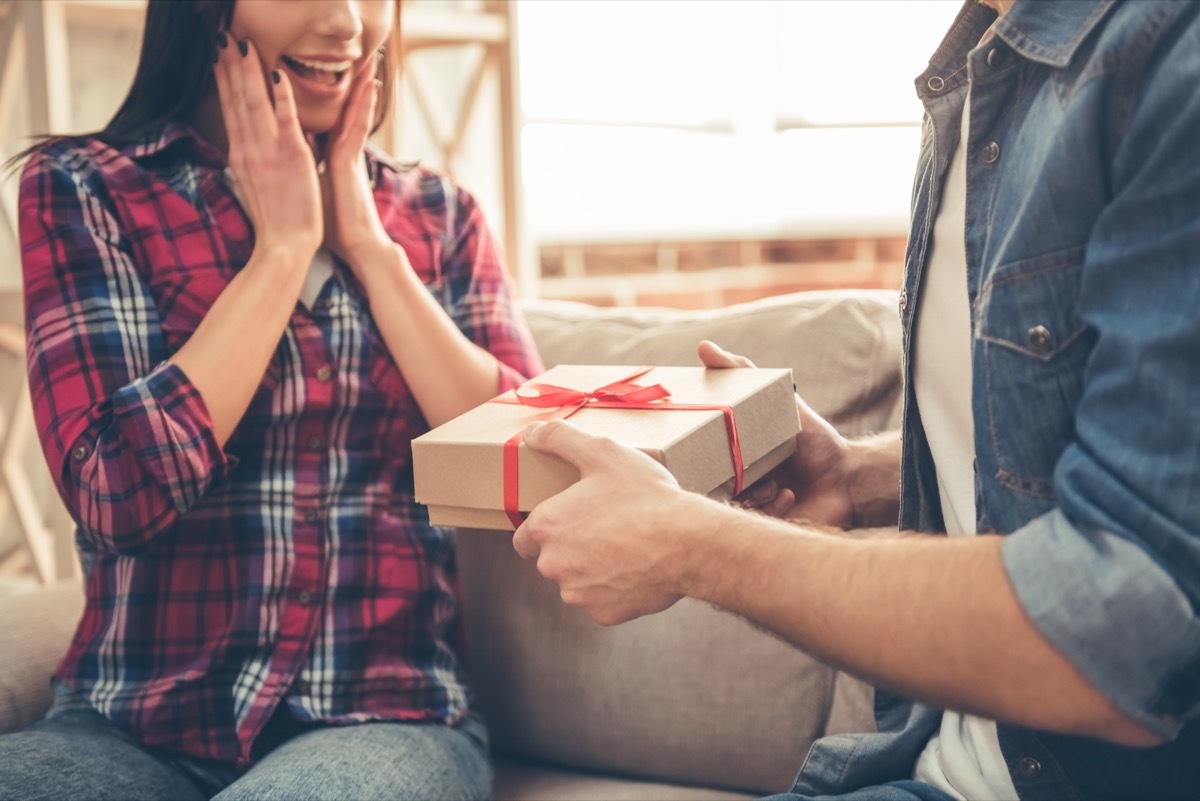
(452,359)
(276,174)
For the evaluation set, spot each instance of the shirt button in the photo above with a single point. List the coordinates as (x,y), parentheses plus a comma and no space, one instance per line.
(936,84)
(997,57)
(314,443)
(903,299)
(1029,767)
(304,597)
(991,152)
(324,374)
(80,453)
(311,515)
(1039,338)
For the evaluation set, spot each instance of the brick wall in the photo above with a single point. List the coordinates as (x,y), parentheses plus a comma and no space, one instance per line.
(698,275)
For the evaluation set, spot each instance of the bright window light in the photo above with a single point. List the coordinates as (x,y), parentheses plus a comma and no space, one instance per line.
(661,119)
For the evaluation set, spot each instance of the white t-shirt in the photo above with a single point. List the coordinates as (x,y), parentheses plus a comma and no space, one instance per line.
(963,758)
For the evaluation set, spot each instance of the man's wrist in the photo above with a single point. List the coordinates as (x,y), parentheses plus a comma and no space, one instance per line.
(872,475)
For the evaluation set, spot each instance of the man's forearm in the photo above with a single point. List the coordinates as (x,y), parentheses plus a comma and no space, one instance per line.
(928,617)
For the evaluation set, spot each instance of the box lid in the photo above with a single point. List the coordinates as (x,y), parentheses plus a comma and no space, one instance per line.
(460,463)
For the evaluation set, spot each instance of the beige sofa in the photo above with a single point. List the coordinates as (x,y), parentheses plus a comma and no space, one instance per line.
(693,703)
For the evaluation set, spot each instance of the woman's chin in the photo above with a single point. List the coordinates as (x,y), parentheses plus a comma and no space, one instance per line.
(316,123)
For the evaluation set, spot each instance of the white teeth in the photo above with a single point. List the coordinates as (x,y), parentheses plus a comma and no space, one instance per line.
(323,66)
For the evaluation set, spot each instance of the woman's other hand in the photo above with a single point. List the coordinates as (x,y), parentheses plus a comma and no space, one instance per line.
(268,154)
(353,229)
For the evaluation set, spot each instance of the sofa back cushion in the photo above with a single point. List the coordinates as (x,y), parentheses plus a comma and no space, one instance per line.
(692,695)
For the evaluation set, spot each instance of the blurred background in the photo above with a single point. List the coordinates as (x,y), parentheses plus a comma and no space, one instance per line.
(681,153)
(675,152)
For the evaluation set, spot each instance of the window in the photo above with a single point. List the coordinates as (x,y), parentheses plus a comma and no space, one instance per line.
(711,119)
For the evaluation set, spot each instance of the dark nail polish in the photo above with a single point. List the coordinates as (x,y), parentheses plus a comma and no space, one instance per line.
(222,40)
(275,76)
(243,48)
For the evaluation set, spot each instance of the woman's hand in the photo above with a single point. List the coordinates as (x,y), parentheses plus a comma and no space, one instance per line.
(268,155)
(353,229)
(814,484)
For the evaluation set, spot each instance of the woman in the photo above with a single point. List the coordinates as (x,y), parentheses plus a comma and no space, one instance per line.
(237,323)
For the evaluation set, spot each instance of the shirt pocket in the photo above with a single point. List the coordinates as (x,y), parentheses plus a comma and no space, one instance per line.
(1033,346)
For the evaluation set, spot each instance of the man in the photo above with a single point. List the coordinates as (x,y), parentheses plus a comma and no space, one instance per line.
(1051,316)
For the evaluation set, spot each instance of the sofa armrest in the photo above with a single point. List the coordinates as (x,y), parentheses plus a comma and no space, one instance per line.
(35,630)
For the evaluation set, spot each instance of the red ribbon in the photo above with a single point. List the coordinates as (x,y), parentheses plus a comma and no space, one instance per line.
(621,394)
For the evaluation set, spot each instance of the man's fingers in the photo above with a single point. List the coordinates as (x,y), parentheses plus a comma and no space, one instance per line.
(567,442)
(712,355)
(524,545)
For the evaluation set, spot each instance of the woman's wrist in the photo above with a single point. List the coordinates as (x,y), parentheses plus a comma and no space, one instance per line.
(292,253)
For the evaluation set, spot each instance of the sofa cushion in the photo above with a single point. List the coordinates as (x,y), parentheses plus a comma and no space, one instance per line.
(843,346)
(38,625)
(693,695)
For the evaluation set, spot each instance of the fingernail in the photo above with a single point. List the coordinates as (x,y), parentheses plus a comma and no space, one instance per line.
(222,40)
(532,429)
(275,76)
(243,48)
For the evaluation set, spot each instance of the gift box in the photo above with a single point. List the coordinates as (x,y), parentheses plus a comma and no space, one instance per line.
(716,431)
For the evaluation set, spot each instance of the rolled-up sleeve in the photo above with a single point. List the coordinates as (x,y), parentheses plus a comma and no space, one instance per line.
(1112,576)
(1114,612)
(126,435)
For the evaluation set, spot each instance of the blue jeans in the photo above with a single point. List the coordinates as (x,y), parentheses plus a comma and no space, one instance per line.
(76,753)
(892,791)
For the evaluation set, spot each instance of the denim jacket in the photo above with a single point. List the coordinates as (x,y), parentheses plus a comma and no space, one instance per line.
(1083,274)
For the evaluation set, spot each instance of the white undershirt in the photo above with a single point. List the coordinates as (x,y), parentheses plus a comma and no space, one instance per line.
(963,758)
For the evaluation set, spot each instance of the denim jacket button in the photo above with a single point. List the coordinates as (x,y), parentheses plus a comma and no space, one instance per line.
(80,453)
(1039,337)
(991,152)
(903,299)
(997,57)
(936,84)
(1029,767)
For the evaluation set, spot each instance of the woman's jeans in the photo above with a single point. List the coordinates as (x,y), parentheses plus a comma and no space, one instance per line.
(76,753)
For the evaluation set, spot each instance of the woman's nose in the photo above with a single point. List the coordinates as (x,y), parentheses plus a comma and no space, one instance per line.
(341,19)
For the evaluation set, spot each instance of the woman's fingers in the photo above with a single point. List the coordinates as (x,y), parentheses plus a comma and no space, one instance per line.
(250,80)
(355,124)
(286,120)
(230,103)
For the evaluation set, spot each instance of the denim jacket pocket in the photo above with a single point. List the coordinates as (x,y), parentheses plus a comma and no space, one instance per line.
(1031,346)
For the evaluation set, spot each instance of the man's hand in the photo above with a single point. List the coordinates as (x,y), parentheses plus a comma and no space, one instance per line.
(605,539)
(813,485)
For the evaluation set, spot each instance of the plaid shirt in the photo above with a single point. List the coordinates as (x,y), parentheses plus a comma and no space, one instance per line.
(293,566)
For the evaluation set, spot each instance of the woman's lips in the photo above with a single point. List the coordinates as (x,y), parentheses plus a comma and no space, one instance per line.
(318,76)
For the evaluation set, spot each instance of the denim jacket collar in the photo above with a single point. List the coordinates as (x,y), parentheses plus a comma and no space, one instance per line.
(1050,34)
(1049,38)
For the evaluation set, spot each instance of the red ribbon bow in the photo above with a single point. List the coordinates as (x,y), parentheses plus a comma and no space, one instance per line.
(621,394)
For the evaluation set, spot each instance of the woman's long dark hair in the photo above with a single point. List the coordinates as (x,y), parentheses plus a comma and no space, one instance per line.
(175,71)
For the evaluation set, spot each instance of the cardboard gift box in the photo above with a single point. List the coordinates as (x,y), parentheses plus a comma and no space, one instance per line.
(460,467)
